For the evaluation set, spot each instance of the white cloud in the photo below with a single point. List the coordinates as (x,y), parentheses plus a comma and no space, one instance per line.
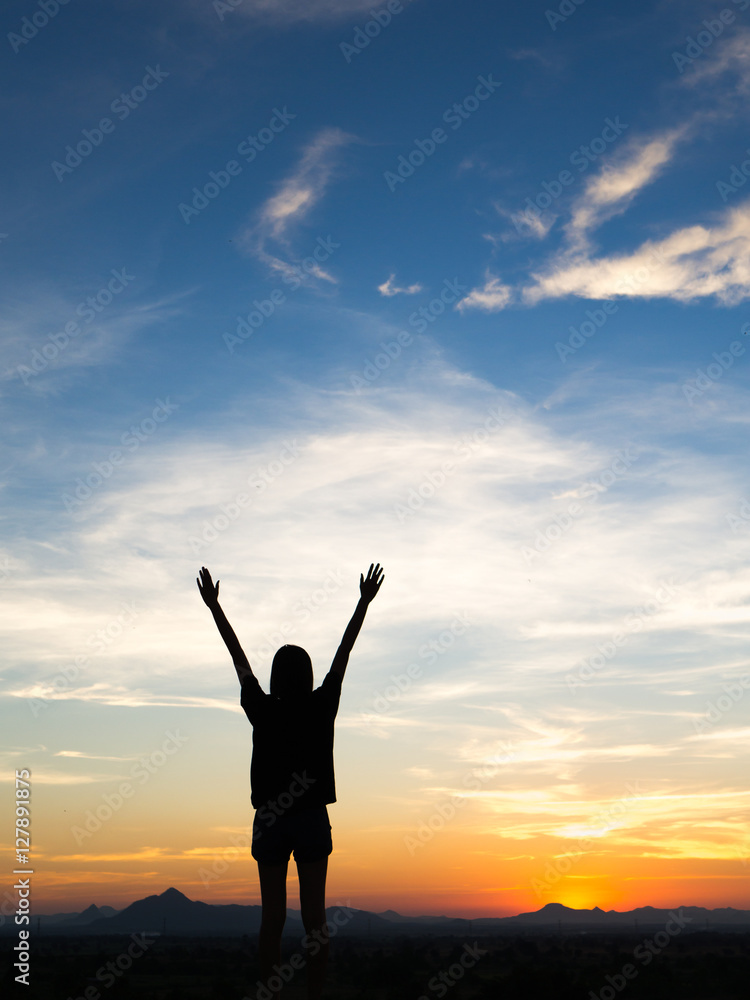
(355,465)
(613,189)
(526,225)
(297,196)
(692,263)
(491,297)
(332,510)
(389,289)
(695,261)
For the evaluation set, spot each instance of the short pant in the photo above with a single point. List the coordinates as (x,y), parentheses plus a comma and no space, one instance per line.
(307,833)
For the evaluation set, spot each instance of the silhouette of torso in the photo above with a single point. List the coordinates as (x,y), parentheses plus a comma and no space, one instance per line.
(292,763)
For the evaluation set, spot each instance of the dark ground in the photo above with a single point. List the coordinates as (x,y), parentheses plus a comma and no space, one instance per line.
(698,966)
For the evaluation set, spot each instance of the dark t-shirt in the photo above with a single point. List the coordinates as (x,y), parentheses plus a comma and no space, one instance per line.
(292,765)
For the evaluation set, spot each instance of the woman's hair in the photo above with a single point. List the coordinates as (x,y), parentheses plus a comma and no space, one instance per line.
(291,673)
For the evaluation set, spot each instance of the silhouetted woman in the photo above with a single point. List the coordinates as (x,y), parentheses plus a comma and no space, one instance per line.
(292,778)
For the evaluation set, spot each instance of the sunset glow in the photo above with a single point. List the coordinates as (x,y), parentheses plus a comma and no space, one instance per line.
(511,365)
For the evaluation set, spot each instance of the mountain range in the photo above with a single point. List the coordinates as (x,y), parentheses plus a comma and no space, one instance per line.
(172,912)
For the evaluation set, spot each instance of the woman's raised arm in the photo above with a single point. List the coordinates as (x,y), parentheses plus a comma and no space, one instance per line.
(210,594)
(368,588)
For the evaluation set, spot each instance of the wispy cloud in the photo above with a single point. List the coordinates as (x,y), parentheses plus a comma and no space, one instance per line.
(335,508)
(693,262)
(43,358)
(613,189)
(533,227)
(509,487)
(303,10)
(297,196)
(732,56)
(547,58)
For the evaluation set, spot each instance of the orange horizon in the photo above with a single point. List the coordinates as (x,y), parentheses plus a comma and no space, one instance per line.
(451,905)
(465,870)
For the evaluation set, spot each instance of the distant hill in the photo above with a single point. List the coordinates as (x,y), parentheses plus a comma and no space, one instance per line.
(555,915)
(642,917)
(172,912)
(71,920)
(88,916)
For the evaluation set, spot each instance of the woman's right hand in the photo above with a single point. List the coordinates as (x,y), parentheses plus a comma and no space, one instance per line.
(209,590)
(369,587)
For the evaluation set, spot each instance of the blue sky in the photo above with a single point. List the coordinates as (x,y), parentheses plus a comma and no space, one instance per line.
(545,311)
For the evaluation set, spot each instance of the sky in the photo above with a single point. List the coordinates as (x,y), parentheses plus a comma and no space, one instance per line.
(293,287)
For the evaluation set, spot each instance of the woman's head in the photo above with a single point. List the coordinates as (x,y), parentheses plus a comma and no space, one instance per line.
(291,673)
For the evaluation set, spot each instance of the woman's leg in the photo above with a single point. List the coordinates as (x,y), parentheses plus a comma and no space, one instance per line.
(273,898)
(312,899)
